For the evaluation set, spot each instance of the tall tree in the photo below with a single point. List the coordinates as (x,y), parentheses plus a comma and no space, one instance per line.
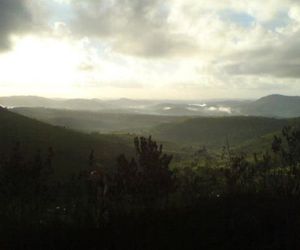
(148,176)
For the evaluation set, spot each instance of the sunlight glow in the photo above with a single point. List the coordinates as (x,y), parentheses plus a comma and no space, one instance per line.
(37,62)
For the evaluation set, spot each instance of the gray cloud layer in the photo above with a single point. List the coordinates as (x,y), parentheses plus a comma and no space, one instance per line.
(252,47)
(280,59)
(15,17)
(142,27)
(137,27)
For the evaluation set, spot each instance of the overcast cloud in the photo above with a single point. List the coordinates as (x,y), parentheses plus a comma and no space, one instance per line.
(14,18)
(199,48)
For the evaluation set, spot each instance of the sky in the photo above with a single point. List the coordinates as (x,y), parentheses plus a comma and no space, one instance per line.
(150,49)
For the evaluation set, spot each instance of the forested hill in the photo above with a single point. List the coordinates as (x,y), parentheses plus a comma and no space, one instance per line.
(274,106)
(216,131)
(91,121)
(71,149)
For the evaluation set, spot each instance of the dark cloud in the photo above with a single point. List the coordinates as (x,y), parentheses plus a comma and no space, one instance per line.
(15,17)
(138,27)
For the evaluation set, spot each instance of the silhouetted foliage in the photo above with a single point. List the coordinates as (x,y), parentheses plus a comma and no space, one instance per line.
(146,178)
(234,201)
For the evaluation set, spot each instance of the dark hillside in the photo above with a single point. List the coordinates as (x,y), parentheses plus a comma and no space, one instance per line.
(89,121)
(71,148)
(216,131)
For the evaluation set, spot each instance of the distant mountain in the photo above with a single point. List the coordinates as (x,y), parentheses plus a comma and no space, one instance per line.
(26,101)
(125,105)
(75,104)
(35,101)
(274,106)
(268,106)
(130,103)
(80,104)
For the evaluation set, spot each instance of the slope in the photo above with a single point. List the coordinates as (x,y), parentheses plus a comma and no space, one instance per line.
(274,106)
(71,148)
(216,131)
(89,121)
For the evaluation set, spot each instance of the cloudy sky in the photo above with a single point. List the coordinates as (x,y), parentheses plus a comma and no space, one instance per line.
(172,49)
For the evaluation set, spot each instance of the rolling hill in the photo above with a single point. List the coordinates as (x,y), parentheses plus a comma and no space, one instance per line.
(36,101)
(89,121)
(209,131)
(74,104)
(71,148)
(216,131)
(124,105)
(274,106)
(269,106)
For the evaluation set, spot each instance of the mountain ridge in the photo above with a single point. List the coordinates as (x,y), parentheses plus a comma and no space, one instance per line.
(275,105)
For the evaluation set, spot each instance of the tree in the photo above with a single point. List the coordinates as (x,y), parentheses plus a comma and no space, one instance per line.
(287,151)
(147,177)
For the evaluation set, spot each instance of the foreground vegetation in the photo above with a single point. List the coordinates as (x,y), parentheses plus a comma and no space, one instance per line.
(231,201)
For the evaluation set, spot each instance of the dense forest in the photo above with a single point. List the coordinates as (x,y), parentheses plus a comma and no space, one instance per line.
(144,197)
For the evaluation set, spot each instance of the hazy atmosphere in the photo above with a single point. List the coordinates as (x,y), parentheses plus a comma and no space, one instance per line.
(150,124)
(176,49)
